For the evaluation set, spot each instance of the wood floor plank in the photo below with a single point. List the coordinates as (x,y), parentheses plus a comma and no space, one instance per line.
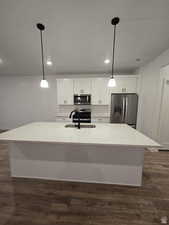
(42,202)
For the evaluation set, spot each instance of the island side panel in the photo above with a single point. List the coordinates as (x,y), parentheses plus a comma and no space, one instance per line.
(77,162)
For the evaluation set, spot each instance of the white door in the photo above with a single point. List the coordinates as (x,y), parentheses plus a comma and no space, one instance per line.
(82,86)
(65,91)
(100,91)
(164,115)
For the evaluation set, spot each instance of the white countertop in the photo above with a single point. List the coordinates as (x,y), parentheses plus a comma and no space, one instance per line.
(103,134)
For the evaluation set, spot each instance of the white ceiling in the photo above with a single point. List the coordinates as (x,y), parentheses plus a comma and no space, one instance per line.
(78,35)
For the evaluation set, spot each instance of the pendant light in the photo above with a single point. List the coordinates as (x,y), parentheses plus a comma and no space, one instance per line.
(112,81)
(43,83)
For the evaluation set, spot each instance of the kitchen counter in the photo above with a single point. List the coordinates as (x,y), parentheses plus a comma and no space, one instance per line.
(103,134)
(109,153)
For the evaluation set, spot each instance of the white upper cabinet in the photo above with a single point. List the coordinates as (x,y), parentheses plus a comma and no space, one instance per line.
(97,87)
(100,91)
(65,91)
(125,84)
(82,86)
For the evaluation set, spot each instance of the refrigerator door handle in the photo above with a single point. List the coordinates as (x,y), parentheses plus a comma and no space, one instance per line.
(126,107)
(123,111)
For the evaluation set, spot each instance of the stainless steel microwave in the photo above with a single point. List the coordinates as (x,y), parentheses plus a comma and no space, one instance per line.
(82,99)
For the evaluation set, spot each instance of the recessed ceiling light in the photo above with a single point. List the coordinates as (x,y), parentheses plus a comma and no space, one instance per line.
(49,62)
(107,61)
(138,60)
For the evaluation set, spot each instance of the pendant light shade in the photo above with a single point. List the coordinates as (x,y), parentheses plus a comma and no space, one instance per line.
(112,81)
(44,82)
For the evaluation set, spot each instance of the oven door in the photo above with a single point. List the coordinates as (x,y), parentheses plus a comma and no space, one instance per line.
(85,117)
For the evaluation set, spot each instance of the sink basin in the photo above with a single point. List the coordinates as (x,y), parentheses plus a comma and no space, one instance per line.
(81,126)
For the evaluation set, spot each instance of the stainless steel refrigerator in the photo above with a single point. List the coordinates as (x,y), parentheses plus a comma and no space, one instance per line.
(124,109)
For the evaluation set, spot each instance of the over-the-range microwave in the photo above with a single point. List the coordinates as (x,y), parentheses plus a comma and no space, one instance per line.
(83,99)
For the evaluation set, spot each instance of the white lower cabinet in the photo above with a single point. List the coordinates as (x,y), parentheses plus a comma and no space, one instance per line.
(93,119)
(63,119)
(100,120)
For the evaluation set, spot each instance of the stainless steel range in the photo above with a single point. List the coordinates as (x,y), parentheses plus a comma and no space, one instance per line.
(83,114)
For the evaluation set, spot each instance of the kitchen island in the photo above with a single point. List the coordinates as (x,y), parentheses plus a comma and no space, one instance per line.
(108,153)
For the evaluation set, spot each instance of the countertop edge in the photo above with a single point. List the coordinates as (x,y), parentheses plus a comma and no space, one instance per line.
(74,143)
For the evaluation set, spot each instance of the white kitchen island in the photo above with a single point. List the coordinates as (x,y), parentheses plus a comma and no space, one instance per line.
(109,153)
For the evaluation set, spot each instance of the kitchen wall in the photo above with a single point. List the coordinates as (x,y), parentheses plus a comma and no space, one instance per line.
(150,95)
(23,101)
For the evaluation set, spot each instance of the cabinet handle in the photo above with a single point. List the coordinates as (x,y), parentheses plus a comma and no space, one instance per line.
(124,90)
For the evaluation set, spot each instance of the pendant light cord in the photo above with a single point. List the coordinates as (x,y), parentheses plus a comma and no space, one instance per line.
(114,42)
(43,66)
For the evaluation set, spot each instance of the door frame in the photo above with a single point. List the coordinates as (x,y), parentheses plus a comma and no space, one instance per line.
(163,77)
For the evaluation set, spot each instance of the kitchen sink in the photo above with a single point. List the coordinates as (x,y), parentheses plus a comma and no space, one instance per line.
(81,126)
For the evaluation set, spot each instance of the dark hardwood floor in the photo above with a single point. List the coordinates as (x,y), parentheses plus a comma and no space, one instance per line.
(39,202)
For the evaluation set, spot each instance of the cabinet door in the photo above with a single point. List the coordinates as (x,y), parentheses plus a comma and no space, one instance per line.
(125,85)
(129,85)
(82,86)
(100,91)
(65,91)
(100,120)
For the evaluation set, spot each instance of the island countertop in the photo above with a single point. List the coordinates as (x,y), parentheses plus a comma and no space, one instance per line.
(103,134)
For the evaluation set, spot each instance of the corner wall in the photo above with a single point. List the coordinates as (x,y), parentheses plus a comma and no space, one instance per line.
(23,101)
(150,95)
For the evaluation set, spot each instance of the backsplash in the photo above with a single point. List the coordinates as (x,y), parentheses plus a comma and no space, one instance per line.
(97,111)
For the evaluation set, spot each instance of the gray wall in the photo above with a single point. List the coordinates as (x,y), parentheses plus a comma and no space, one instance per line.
(150,95)
(22,100)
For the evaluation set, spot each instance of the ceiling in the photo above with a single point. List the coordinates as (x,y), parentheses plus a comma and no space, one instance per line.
(78,34)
